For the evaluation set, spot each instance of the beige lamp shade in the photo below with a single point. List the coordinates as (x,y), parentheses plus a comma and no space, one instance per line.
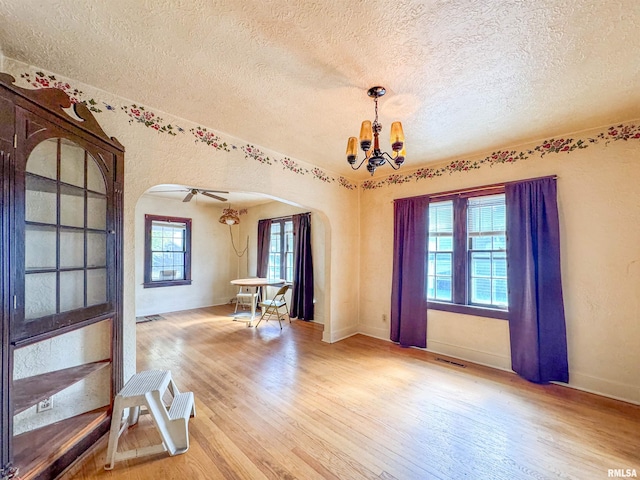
(230,216)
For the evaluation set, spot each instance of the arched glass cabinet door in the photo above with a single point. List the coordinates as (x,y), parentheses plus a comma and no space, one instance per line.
(66,238)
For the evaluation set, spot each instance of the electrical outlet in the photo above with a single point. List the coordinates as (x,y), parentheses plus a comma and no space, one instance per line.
(44,405)
(384,317)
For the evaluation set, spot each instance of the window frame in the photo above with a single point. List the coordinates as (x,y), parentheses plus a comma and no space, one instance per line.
(461,280)
(283,253)
(148,224)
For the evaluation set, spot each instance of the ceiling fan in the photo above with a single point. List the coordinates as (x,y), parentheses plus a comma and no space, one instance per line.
(207,193)
(191,192)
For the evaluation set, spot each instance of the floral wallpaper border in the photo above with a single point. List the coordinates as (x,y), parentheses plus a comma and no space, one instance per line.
(561,145)
(140,115)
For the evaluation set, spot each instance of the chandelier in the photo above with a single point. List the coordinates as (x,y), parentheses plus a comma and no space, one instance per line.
(368,132)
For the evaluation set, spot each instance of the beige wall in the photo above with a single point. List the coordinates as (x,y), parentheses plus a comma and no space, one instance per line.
(249,228)
(81,346)
(599,207)
(213,260)
(154,158)
(600,227)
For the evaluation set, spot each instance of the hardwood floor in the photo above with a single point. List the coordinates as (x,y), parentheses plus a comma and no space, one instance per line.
(284,405)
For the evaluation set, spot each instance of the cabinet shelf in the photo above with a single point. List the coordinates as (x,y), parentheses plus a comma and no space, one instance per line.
(38,183)
(31,390)
(38,450)
(34,270)
(43,226)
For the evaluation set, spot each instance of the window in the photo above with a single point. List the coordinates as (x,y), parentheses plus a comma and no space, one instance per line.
(467,254)
(440,271)
(167,251)
(280,264)
(487,246)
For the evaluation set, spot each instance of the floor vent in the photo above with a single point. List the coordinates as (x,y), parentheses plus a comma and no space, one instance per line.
(450,362)
(149,318)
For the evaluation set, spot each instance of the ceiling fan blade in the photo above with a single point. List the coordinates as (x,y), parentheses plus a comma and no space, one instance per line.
(188,197)
(166,191)
(211,191)
(213,196)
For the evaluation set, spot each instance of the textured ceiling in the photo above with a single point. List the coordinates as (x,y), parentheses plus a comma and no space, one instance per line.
(464,77)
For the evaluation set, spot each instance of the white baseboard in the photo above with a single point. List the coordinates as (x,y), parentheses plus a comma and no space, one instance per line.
(480,357)
(341,334)
(579,381)
(488,359)
(601,386)
(160,311)
(375,332)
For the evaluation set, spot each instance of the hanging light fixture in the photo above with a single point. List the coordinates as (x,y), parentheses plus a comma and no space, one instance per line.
(368,132)
(230,216)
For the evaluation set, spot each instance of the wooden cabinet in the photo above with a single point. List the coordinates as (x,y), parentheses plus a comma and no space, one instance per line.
(61,282)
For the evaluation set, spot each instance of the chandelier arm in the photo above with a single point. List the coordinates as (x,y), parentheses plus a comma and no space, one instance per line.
(377,157)
(391,161)
(360,164)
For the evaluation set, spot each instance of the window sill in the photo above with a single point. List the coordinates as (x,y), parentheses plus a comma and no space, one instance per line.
(469,310)
(167,283)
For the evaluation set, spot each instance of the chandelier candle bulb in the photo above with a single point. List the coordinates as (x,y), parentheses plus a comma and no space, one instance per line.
(352,150)
(366,135)
(397,136)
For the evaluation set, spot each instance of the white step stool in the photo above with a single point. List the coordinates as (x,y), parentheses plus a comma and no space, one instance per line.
(146,389)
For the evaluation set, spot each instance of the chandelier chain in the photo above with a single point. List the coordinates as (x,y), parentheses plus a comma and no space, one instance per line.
(233,244)
(376,102)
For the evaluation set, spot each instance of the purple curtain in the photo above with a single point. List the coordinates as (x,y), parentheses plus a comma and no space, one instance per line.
(408,291)
(302,292)
(536,309)
(264,236)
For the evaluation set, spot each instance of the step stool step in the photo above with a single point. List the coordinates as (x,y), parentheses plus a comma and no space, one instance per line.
(182,406)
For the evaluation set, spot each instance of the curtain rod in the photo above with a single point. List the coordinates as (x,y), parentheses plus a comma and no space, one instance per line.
(286,216)
(476,189)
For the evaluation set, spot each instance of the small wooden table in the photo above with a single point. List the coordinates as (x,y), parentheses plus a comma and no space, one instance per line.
(261,283)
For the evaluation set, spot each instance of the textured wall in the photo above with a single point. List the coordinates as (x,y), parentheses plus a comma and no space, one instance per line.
(599,206)
(212,266)
(161,149)
(249,227)
(598,176)
(85,345)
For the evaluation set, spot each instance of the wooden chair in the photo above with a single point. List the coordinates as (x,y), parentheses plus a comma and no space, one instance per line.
(273,306)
